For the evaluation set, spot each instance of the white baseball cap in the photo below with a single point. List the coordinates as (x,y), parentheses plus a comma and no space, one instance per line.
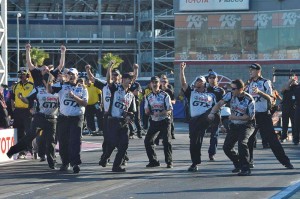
(73,70)
(202,78)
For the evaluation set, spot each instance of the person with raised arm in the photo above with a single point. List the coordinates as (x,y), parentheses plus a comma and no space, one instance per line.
(200,104)
(37,73)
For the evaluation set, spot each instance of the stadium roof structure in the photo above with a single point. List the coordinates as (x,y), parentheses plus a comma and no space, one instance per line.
(110,9)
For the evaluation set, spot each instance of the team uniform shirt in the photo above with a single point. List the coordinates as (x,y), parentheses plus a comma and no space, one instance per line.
(217,91)
(106,94)
(200,102)
(47,103)
(68,106)
(158,102)
(240,106)
(264,85)
(38,77)
(122,101)
(93,93)
(24,89)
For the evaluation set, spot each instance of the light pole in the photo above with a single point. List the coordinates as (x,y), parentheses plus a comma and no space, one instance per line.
(18,43)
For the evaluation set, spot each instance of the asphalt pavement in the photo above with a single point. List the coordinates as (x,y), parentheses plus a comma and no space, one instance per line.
(33,179)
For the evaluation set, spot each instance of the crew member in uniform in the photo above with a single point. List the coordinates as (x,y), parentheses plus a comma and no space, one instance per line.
(200,103)
(106,95)
(261,90)
(136,89)
(120,113)
(158,105)
(21,111)
(214,132)
(242,125)
(73,100)
(44,119)
(37,73)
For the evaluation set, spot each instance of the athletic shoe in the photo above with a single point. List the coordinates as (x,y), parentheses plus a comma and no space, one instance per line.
(9,154)
(21,156)
(283,140)
(102,163)
(64,167)
(170,165)
(251,165)
(42,159)
(53,167)
(153,164)
(245,173)
(76,168)
(236,170)
(118,169)
(289,166)
(124,163)
(126,158)
(193,168)
(211,157)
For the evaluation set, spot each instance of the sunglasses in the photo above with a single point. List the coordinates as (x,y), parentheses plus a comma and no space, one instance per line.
(115,74)
(234,89)
(212,77)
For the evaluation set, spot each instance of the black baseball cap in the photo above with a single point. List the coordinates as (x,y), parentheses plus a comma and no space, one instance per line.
(255,66)
(155,79)
(135,86)
(116,71)
(212,73)
(22,71)
(127,75)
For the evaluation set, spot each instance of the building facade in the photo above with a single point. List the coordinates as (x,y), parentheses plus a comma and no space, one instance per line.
(244,32)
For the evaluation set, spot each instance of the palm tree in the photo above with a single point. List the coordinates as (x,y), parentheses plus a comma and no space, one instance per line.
(110,57)
(38,56)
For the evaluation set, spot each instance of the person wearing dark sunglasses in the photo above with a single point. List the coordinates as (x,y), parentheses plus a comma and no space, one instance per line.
(241,128)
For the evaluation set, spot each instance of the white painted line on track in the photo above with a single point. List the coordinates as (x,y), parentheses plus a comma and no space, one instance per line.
(28,191)
(57,154)
(288,191)
(133,182)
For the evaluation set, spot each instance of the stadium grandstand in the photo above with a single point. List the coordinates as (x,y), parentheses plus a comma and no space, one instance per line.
(139,31)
